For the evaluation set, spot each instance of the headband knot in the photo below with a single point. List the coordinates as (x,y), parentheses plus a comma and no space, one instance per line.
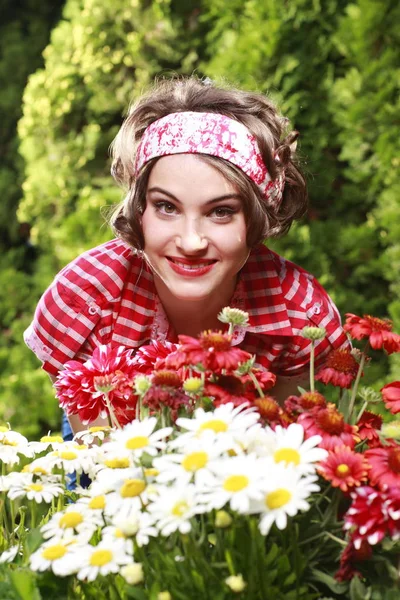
(213,134)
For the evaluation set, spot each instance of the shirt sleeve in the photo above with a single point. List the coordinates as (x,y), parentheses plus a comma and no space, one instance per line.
(321,312)
(63,321)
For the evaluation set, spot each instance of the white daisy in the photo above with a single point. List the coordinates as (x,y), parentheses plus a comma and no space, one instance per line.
(226,420)
(138,437)
(14,478)
(285,494)
(72,458)
(115,535)
(174,507)
(93,434)
(8,555)
(12,444)
(74,520)
(238,480)
(46,443)
(39,491)
(107,557)
(291,448)
(56,555)
(129,495)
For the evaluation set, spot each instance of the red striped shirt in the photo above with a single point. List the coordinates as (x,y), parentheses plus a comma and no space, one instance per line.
(107,296)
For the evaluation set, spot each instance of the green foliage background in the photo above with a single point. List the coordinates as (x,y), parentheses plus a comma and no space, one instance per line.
(332,66)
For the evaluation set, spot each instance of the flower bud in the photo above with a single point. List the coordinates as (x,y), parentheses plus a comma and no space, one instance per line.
(223,519)
(133,573)
(391,430)
(164,596)
(193,385)
(313,333)
(234,316)
(142,384)
(236,583)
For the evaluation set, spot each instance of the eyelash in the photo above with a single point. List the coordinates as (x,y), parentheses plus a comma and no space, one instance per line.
(161,206)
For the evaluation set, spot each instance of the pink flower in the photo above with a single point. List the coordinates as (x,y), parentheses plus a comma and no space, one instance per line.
(340,369)
(366,517)
(391,396)
(152,356)
(81,388)
(329,423)
(385,465)
(378,331)
(368,426)
(344,468)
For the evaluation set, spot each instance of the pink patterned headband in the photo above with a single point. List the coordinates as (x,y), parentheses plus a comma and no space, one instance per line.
(213,134)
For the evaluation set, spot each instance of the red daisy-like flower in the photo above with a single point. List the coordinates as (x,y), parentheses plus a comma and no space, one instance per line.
(344,468)
(81,388)
(213,350)
(268,408)
(340,369)
(151,356)
(350,557)
(393,511)
(266,379)
(385,465)
(307,401)
(368,427)
(378,331)
(391,396)
(159,396)
(366,517)
(329,423)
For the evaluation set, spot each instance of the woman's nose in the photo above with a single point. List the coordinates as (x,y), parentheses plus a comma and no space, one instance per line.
(190,239)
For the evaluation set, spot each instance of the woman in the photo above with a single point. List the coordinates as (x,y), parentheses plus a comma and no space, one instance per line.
(210,173)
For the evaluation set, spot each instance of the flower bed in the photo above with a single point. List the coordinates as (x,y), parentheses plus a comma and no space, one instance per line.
(204,486)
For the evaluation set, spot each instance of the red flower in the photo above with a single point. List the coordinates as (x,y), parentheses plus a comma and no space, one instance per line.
(329,423)
(158,396)
(344,468)
(229,388)
(212,350)
(391,396)
(379,332)
(81,388)
(268,408)
(266,379)
(307,401)
(368,426)
(385,465)
(349,557)
(366,516)
(340,369)
(152,356)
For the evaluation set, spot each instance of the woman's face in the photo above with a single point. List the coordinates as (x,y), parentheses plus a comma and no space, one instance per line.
(194,229)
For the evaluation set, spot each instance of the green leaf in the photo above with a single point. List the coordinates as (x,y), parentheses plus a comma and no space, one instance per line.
(136,592)
(329,581)
(359,591)
(24,583)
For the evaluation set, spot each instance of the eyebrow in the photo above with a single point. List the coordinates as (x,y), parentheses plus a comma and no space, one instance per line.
(212,201)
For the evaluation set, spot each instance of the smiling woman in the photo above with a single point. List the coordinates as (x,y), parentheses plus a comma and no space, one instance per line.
(210,173)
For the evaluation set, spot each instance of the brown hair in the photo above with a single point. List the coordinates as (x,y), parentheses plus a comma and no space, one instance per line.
(255,111)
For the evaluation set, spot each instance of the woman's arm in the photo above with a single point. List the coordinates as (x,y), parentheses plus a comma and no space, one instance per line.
(76,423)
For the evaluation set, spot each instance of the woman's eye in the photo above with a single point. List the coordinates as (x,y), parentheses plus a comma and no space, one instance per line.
(222,212)
(165,208)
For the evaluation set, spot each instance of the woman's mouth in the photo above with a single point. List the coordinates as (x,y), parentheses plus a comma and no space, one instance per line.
(190,268)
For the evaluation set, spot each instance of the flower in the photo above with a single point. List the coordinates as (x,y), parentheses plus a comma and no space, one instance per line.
(285,493)
(340,369)
(268,408)
(173,507)
(236,583)
(349,557)
(92,434)
(329,423)
(152,356)
(313,333)
(132,573)
(344,468)
(39,491)
(212,350)
(385,465)
(46,442)
(365,517)
(138,437)
(9,554)
(81,388)
(158,396)
(74,520)
(368,426)
(234,316)
(56,555)
(223,519)
(391,396)
(378,331)
(290,448)
(107,557)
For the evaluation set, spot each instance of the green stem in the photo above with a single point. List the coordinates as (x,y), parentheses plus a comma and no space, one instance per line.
(111,412)
(360,414)
(312,367)
(256,384)
(355,387)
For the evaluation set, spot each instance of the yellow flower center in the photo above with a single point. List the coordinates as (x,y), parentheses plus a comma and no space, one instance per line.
(277,498)
(119,534)
(137,442)
(54,552)
(342,469)
(288,455)
(80,447)
(216,425)
(151,472)
(68,455)
(35,487)
(100,558)
(193,385)
(132,488)
(70,519)
(3,429)
(97,502)
(98,428)
(194,461)
(6,442)
(117,463)
(235,483)
(51,438)
(180,508)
